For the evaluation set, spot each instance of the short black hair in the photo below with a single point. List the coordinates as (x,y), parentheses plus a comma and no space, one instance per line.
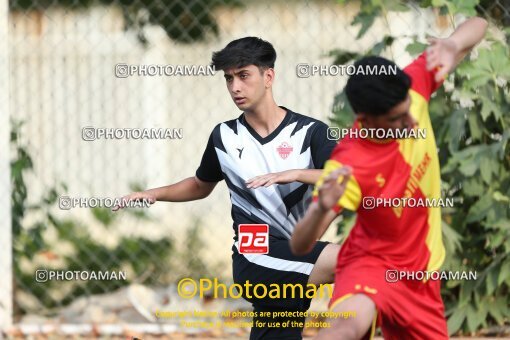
(243,52)
(376,94)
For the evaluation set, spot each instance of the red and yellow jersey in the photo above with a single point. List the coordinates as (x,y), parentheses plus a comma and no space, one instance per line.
(404,237)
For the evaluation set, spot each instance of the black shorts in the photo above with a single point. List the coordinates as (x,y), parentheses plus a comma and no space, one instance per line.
(279,267)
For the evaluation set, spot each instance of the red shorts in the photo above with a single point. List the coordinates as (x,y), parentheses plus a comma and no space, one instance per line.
(405,309)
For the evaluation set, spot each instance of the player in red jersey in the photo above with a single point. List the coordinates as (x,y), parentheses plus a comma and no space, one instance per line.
(384,238)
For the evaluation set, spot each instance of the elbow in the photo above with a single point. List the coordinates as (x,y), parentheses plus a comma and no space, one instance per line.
(202,189)
(482,25)
(295,249)
(483,21)
(204,194)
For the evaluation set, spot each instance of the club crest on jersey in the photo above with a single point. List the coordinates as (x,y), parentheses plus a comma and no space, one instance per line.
(284,150)
(380,180)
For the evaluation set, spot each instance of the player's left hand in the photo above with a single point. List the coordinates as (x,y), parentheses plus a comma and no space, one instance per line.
(266,180)
(333,187)
(441,56)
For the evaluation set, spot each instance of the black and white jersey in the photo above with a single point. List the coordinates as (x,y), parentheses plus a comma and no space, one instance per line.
(236,153)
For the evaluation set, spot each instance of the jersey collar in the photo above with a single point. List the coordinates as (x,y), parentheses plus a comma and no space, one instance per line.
(272,135)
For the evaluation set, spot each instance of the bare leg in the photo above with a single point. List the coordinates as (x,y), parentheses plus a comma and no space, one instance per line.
(355,327)
(324,269)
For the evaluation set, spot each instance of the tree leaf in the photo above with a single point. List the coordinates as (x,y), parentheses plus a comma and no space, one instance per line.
(366,21)
(482,311)
(466,7)
(473,187)
(472,318)
(474,126)
(452,238)
(488,107)
(479,209)
(504,272)
(380,46)
(439,3)
(415,48)
(503,224)
(468,167)
(456,319)
(485,170)
(395,6)
(342,57)
(491,281)
(457,128)
(499,197)
(497,310)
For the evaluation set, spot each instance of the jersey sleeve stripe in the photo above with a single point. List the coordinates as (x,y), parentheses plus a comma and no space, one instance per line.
(352,196)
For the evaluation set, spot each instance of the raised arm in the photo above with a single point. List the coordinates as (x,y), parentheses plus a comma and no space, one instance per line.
(189,189)
(193,188)
(319,215)
(310,228)
(446,54)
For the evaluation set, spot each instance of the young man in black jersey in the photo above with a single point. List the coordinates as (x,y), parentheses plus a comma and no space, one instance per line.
(269,157)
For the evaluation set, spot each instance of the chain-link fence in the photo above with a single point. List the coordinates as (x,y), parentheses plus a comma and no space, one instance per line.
(65,75)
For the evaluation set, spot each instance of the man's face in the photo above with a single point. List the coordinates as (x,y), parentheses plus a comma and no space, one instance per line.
(247,85)
(397,118)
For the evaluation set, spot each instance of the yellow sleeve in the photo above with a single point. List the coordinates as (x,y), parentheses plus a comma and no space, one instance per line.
(352,196)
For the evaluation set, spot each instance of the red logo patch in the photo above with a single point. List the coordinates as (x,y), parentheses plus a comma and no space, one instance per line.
(253,238)
(284,150)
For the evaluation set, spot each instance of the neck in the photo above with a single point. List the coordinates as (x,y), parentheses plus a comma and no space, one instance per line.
(265,118)
(375,140)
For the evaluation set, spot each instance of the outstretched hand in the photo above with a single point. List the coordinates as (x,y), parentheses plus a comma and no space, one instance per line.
(266,180)
(134,197)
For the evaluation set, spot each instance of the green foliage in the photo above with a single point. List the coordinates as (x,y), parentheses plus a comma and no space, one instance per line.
(472,129)
(193,265)
(183,21)
(475,156)
(88,254)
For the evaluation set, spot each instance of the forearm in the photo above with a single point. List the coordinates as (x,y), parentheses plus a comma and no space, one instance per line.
(469,33)
(308,176)
(308,230)
(188,189)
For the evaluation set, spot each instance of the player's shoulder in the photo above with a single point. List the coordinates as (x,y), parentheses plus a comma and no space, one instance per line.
(300,120)
(347,148)
(230,124)
(299,117)
(355,152)
(422,80)
(222,131)
(361,159)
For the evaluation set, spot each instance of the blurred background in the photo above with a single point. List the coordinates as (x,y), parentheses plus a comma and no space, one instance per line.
(58,76)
